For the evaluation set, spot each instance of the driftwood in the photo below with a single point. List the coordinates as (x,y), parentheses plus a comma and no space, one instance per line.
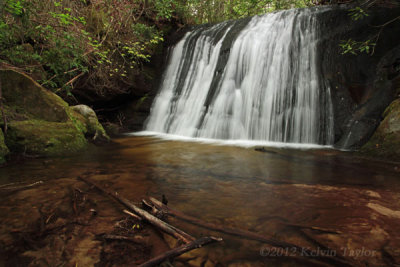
(180,250)
(338,260)
(169,229)
(19,186)
(132,215)
(12,188)
(154,210)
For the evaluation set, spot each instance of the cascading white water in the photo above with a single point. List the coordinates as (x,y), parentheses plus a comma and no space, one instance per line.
(270,88)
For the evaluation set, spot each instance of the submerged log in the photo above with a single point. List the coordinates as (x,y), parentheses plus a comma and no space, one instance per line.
(180,250)
(338,260)
(165,227)
(219,228)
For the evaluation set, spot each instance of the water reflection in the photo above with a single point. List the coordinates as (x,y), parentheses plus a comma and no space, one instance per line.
(239,187)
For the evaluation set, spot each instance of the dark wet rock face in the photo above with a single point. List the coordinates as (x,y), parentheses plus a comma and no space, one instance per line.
(362,85)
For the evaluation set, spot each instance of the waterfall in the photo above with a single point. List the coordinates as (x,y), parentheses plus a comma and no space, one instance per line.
(264,85)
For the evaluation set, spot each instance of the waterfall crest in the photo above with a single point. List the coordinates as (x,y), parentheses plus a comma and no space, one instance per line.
(269,88)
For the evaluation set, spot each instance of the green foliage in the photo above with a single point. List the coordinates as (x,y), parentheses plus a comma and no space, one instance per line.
(144,32)
(67,39)
(164,8)
(14,7)
(5,33)
(104,41)
(210,11)
(28,44)
(353,47)
(357,13)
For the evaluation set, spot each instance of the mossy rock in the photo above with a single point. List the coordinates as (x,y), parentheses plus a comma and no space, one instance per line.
(3,148)
(386,140)
(90,125)
(25,97)
(39,121)
(112,129)
(44,137)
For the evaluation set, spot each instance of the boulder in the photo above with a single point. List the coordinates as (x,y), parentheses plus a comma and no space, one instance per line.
(3,148)
(41,137)
(39,121)
(26,99)
(112,129)
(91,125)
(385,142)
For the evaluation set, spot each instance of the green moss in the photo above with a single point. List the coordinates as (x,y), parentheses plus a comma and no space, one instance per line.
(395,105)
(386,140)
(87,121)
(78,120)
(112,129)
(3,148)
(97,130)
(25,97)
(44,137)
(39,121)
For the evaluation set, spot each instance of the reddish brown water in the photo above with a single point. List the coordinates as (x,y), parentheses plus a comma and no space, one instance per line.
(356,202)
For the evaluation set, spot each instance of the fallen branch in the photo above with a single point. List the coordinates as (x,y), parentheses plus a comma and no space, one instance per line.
(180,250)
(10,184)
(165,227)
(70,82)
(156,212)
(132,215)
(243,233)
(8,188)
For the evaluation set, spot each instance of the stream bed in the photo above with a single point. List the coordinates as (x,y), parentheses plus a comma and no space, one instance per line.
(323,200)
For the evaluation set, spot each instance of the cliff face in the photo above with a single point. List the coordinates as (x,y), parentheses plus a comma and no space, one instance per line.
(362,85)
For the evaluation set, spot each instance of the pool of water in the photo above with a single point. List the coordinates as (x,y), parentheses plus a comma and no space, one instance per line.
(316,198)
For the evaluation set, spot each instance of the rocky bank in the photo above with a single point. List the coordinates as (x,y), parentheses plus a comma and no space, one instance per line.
(38,122)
